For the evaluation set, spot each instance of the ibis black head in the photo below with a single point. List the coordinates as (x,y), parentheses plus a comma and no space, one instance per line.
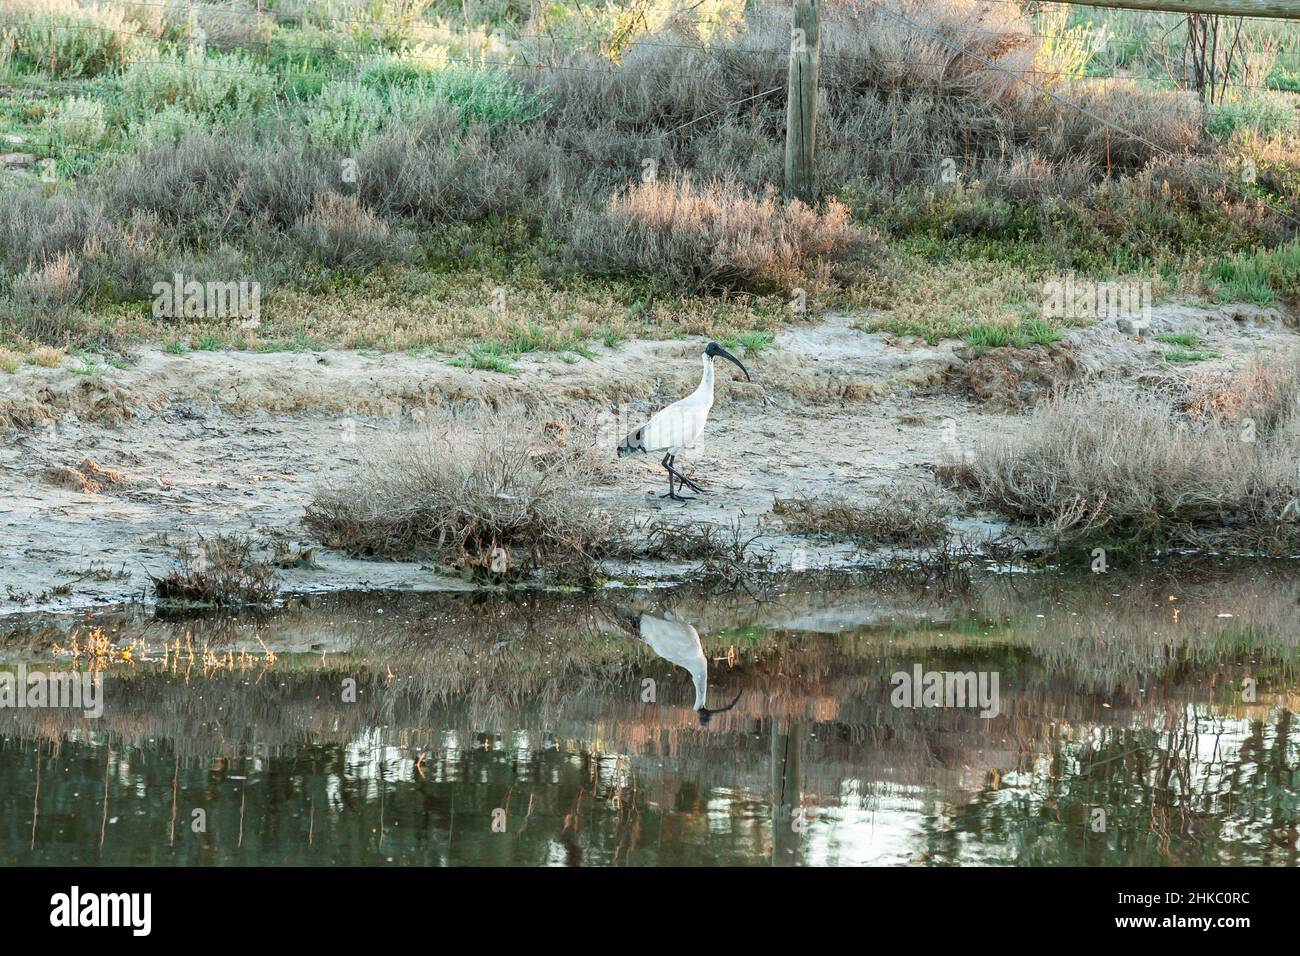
(634,442)
(713,348)
(706,715)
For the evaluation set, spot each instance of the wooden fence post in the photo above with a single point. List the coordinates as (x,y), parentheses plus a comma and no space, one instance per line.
(1282,9)
(801,101)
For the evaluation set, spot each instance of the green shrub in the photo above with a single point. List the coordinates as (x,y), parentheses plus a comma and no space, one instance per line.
(483,96)
(306,48)
(486,96)
(1265,114)
(1261,275)
(222,87)
(170,124)
(66,39)
(1283,79)
(389,89)
(80,120)
(346,113)
(407,72)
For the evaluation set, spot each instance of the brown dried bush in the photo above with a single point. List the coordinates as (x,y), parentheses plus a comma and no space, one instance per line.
(344,234)
(42,301)
(492,493)
(718,236)
(225,24)
(911,513)
(1115,462)
(218,571)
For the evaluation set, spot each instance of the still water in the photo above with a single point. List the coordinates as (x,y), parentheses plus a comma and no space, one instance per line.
(1140,718)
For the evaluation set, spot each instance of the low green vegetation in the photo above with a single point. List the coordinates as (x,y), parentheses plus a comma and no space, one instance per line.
(751,343)
(488,356)
(1261,276)
(1020,335)
(612,174)
(1190,348)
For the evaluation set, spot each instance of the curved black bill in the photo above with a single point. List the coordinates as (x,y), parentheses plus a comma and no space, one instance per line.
(735,361)
(722,710)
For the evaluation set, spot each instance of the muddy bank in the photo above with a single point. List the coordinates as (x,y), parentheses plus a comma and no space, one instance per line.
(104,474)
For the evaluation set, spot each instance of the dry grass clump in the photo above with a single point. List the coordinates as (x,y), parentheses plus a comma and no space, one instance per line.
(1169,120)
(730,558)
(904,513)
(1117,462)
(58,254)
(945,565)
(90,477)
(719,236)
(42,300)
(492,493)
(46,356)
(342,233)
(1260,393)
(225,24)
(219,571)
(37,229)
(432,167)
(208,185)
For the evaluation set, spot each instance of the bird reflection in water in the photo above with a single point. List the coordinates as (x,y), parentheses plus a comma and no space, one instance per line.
(678,643)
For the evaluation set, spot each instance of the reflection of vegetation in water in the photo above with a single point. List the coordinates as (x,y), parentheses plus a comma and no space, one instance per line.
(748,634)
(533,705)
(368,802)
(1204,789)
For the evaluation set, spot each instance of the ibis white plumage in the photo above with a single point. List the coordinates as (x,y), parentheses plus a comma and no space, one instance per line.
(680,424)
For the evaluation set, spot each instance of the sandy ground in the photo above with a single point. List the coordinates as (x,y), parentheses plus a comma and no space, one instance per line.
(212,442)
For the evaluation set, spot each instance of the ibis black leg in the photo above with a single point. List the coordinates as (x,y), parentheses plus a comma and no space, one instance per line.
(682,479)
(672,493)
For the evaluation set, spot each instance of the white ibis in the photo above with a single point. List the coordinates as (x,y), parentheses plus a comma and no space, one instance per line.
(680,424)
(679,643)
